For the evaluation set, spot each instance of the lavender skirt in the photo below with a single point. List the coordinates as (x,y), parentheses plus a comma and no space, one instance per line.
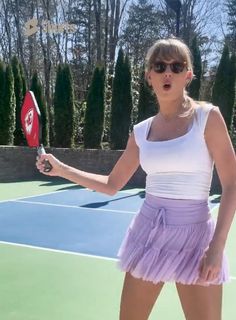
(166,241)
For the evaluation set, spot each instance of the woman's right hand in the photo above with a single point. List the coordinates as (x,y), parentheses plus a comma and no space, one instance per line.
(57,166)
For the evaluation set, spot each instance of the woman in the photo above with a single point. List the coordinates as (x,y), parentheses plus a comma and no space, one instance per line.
(173,238)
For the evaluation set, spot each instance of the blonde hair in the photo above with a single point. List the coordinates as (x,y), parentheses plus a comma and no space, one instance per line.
(172,49)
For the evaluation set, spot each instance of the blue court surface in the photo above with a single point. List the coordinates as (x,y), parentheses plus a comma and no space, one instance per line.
(78,221)
(58,254)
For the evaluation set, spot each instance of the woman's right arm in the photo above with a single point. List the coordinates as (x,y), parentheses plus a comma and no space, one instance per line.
(119,176)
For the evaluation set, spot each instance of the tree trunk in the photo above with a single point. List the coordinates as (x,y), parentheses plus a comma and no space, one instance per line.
(106,35)
(97,11)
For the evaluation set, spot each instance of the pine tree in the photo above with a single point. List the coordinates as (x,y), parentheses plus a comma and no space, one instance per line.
(128,103)
(64,108)
(221,91)
(2,88)
(147,103)
(194,88)
(8,110)
(231,23)
(37,89)
(121,105)
(58,105)
(94,115)
(18,88)
(24,85)
(232,89)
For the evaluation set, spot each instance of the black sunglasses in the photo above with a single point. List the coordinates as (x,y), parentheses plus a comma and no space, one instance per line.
(176,67)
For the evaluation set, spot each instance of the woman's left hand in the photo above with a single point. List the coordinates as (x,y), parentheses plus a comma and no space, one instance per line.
(211,264)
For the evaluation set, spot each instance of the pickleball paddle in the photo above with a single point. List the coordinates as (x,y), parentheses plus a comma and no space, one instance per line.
(32,126)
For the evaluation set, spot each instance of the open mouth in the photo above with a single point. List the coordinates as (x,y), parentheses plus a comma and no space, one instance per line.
(167,86)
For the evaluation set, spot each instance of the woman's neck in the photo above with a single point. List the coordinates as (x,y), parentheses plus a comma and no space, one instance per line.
(171,109)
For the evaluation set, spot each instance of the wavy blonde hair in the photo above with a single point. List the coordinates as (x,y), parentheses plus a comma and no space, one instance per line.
(168,49)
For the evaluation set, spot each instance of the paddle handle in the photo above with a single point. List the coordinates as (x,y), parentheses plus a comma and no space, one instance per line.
(47,164)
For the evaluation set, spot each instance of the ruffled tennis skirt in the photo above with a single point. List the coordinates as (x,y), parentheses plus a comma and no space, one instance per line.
(166,241)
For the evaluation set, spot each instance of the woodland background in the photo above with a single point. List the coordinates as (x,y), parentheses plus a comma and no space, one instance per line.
(84,60)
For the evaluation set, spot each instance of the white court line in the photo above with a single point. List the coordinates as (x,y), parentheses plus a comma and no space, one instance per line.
(58,251)
(33,196)
(68,252)
(43,194)
(53,192)
(71,206)
(76,207)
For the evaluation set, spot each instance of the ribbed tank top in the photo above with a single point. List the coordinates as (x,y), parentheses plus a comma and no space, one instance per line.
(180,168)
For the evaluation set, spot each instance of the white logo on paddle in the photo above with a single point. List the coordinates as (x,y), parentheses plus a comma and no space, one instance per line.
(29,117)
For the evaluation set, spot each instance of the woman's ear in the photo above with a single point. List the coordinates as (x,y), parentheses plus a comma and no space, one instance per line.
(148,78)
(189,78)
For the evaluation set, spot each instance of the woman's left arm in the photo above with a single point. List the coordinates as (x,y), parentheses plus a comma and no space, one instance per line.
(222,151)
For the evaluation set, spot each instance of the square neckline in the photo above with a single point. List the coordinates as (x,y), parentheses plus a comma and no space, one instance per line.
(190,129)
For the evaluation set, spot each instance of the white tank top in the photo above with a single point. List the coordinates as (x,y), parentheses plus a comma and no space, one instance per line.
(179,168)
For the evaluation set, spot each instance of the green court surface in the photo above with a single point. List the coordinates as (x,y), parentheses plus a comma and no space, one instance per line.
(42,284)
(15,190)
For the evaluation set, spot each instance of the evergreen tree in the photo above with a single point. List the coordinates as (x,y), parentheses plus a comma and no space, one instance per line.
(94,115)
(64,108)
(147,103)
(8,110)
(231,23)
(222,88)
(121,105)
(24,85)
(194,88)
(128,102)
(232,88)
(37,89)
(2,88)
(18,87)
(58,105)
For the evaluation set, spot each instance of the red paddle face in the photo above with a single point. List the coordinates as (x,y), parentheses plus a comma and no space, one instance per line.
(30,120)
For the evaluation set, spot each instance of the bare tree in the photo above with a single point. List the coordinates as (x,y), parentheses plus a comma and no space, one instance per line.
(198,17)
(116,13)
(7,27)
(97,12)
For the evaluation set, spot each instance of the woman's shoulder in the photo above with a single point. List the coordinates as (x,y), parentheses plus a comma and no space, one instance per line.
(143,123)
(205,107)
(140,130)
(204,111)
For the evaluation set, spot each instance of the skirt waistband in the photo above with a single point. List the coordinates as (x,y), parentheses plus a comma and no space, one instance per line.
(174,211)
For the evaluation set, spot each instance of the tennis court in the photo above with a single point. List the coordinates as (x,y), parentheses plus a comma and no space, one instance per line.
(58,246)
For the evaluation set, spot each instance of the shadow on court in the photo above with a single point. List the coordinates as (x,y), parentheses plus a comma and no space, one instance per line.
(53,184)
(39,283)
(65,186)
(141,194)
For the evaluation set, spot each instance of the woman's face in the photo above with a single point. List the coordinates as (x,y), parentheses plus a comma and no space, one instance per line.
(169,78)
